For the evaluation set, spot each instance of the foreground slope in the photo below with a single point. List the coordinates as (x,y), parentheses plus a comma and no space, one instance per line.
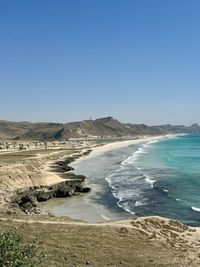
(145,242)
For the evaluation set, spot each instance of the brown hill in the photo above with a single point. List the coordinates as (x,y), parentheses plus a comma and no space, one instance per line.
(87,128)
(100,127)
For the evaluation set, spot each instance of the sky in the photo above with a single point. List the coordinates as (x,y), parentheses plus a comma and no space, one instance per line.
(70,60)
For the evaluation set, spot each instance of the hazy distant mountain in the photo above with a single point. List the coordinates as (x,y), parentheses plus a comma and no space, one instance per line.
(194,128)
(100,127)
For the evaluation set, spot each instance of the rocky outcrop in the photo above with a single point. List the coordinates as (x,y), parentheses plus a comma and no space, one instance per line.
(62,166)
(27,199)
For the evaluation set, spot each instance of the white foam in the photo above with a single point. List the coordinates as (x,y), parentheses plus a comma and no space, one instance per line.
(125,207)
(131,159)
(149,180)
(175,136)
(105,217)
(196,209)
(129,164)
(152,142)
(141,150)
(109,179)
(139,203)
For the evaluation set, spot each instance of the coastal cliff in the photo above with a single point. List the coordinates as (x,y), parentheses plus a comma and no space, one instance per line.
(27,178)
(27,199)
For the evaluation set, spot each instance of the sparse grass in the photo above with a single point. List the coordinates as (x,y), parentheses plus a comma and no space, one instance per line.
(98,246)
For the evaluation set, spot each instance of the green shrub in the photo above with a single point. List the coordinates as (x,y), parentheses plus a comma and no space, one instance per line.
(15,252)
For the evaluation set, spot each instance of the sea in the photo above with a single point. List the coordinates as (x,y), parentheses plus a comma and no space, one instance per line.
(160,177)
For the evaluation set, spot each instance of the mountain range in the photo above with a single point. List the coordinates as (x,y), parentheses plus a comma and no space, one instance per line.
(103,127)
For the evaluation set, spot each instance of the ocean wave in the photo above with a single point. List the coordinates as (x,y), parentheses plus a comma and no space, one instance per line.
(128,182)
(175,136)
(141,150)
(165,190)
(131,159)
(195,209)
(139,203)
(149,180)
(131,181)
(125,207)
(153,142)
(122,192)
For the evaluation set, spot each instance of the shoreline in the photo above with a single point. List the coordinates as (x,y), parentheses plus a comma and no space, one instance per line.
(81,208)
(98,150)
(66,175)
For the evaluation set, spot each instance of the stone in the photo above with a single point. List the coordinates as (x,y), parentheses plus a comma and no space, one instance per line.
(27,206)
(42,196)
(86,189)
(27,200)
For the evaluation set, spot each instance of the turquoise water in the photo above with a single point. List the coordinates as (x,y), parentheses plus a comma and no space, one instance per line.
(151,178)
(161,178)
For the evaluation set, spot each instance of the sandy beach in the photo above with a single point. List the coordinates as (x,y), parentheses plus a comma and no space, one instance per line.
(98,150)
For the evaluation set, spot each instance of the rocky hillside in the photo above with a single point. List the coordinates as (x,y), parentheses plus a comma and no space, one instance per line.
(27,130)
(100,127)
(194,128)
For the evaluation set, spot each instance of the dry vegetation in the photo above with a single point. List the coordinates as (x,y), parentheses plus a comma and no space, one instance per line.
(68,243)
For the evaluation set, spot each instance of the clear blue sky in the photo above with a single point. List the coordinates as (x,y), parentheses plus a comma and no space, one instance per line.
(67,60)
